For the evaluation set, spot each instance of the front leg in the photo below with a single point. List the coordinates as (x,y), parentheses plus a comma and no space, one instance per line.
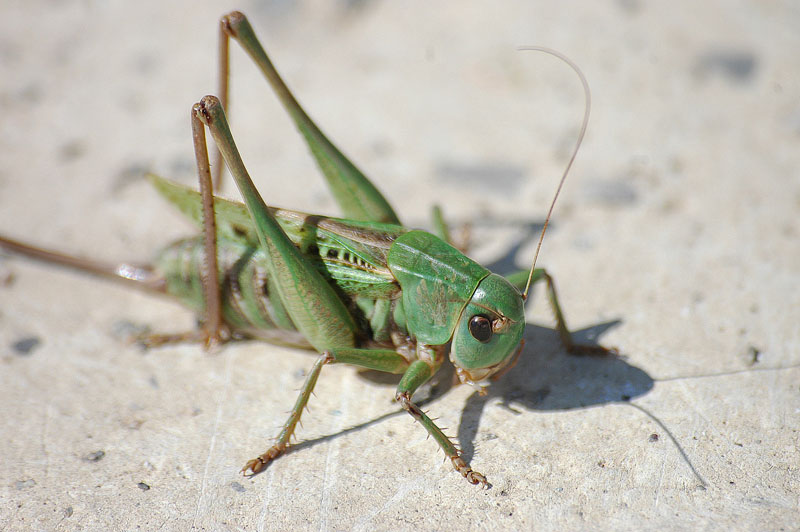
(414,377)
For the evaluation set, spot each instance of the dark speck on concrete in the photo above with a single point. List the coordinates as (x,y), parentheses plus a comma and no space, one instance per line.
(142,486)
(25,346)
(238,487)
(754,355)
(736,66)
(96,456)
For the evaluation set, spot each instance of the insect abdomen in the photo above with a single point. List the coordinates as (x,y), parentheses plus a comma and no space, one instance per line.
(250,304)
(246,303)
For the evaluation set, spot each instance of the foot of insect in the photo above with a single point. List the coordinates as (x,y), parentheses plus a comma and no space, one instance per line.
(473,477)
(256,465)
(450,450)
(592,350)
(210,340)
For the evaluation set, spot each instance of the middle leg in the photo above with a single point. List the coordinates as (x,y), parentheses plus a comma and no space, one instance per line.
(377,359)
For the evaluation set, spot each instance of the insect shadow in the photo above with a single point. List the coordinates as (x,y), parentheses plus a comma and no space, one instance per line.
(546,377)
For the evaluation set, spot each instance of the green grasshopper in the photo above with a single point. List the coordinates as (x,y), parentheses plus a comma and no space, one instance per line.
(363,290)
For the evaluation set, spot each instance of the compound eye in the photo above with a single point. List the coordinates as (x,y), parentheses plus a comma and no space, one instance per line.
(480,327)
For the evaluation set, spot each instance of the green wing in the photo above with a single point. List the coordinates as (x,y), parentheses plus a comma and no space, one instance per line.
(354,252)
(233,220)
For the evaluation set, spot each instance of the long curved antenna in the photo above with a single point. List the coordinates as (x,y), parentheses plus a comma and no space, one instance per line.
(588,97)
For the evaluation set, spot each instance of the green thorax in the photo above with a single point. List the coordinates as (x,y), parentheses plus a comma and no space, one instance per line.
(437,281)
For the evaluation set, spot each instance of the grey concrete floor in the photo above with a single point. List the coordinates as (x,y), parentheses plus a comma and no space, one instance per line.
(676,240)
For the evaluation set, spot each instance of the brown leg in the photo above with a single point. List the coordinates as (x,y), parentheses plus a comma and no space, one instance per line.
(214,330)
(213,324)
(150,341)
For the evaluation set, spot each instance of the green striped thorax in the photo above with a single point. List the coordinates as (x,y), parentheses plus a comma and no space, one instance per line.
(449,297)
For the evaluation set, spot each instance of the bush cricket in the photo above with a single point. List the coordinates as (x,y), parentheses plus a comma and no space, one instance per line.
(361,290)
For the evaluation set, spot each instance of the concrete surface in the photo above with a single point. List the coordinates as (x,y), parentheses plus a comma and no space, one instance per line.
(676,240)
